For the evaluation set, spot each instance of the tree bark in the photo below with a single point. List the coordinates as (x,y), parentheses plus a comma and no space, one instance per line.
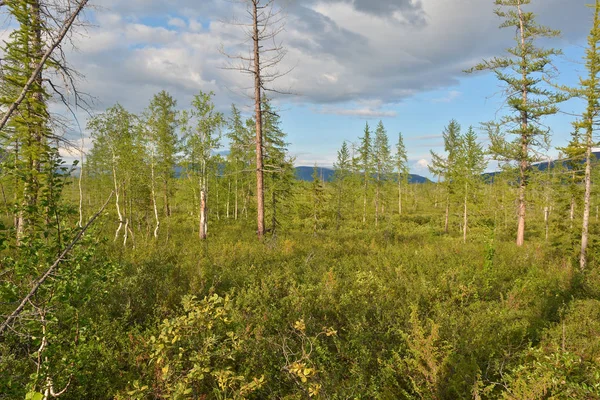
(465,216)
(587,198)
(524,164)
(260,193)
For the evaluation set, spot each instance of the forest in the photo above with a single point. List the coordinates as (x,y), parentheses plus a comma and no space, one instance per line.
(182,258)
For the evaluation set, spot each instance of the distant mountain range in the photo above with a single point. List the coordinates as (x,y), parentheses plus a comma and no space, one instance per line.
(326,174)
(544,165)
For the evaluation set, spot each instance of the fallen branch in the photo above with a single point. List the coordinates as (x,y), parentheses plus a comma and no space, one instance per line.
(63,32)
(52,269)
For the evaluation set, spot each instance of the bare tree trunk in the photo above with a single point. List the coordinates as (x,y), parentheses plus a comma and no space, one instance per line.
(523,165)
(447,217)
(154,205)
(364,219)
(572,211)
(399,195)
(377,202)
(228,196)
(547,221)
(235,212)
(465,216)
(117,194)
(260,193)
(202,228)
(586,200)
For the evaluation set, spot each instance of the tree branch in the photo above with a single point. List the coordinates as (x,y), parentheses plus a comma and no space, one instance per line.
(52,269)
(63,32)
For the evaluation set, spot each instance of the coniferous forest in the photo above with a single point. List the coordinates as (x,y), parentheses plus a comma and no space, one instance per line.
(182,258)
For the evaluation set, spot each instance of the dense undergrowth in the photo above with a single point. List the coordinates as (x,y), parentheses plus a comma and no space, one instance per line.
(399,311)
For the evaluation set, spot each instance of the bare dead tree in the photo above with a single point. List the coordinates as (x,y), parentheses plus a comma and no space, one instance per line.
(261,62)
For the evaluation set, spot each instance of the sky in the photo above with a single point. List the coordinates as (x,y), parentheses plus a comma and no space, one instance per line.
(351,61)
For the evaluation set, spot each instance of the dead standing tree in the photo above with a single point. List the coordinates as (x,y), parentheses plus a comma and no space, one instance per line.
(261,62)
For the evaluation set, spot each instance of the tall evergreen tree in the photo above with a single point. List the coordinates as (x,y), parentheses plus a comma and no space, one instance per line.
(470,165)
(382,160)
(401,161)
(523,71)
(343,168)
(277,164)
(240,155)
(365,163)
(446,168)
(30,134)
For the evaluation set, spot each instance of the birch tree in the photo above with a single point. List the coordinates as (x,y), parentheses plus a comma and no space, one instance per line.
(202,136)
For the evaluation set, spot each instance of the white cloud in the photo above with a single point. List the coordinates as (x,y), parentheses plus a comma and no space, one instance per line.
(177,23)
(448,98)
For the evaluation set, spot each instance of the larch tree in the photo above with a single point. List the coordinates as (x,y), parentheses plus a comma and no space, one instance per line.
(589,91)
(239,159)
(161,119)
(261,63)
(524,71)
(401,161)
(446,167)
(365,163)
(470,165)
(382,160)
(343,169)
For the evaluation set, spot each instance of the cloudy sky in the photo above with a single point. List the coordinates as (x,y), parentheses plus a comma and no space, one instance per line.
(353,61)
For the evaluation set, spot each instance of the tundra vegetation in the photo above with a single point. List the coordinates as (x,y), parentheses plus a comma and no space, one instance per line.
(139,274)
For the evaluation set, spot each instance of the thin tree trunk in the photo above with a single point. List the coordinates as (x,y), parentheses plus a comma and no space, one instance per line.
(447,217)
(364,219)
(260,194)
(117,195)
(572,211)
(377,202)
(465,217)
(399,195)
(157,226)
(228,196)
(547,221)
(236,198)
(523,165)
(587,199)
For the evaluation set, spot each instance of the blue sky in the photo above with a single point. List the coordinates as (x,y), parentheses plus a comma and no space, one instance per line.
(354,61)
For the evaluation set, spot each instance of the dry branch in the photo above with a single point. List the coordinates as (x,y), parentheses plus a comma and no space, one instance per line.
(52,269)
